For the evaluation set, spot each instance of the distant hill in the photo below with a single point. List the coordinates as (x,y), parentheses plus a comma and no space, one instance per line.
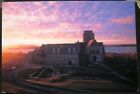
(22,46)
(121,45)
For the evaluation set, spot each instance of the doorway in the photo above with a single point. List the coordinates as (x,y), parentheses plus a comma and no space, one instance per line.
(69,62)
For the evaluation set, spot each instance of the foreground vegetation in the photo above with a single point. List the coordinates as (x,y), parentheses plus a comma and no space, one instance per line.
(125,65)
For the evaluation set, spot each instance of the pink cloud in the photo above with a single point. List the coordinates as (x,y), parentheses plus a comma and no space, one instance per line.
(97,27)
(115,39)
(37,22)
(125,20)
(52,3)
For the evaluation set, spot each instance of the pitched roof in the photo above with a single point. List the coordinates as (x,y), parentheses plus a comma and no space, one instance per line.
(91,42)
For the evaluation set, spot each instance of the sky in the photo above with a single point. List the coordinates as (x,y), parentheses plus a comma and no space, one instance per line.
(48,22)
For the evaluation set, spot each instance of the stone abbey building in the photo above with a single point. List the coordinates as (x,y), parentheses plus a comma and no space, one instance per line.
(80,53)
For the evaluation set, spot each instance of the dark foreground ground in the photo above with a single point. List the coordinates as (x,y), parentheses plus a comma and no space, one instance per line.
(124,64)
(95,79)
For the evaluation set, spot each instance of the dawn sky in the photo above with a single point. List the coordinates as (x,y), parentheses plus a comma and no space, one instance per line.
(64,22)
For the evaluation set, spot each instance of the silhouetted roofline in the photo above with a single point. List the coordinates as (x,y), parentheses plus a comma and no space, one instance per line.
(62,44)
(87,30)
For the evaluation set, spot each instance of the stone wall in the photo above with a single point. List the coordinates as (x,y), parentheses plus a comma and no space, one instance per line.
(62,60)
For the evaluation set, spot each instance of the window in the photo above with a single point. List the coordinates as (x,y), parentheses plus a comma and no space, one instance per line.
(74,50)
(94,59)
(53,50)
(58,50)
(69,50)
(91,52)
(100,51)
